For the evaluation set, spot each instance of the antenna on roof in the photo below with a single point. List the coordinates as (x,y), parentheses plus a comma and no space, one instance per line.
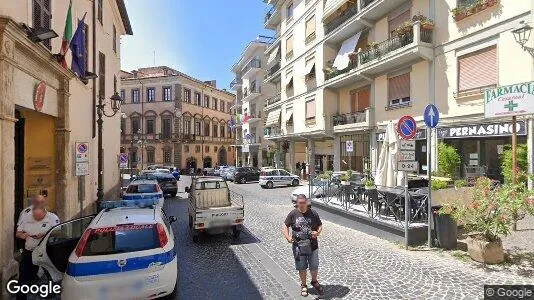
(154,58)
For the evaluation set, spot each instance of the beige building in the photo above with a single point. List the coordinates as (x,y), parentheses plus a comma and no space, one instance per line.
(172,119)
(46,110)
(348,68)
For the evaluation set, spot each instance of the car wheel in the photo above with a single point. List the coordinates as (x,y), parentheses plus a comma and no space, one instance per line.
(270,184)
(243,180)
(196,238)
(295,182)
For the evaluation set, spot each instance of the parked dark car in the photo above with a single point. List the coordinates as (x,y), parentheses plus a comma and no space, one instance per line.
(246,174)
(166,181)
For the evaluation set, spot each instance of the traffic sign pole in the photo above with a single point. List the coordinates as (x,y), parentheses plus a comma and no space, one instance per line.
(429,176)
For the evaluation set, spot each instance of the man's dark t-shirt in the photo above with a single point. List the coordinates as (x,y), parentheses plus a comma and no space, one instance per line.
(302,225)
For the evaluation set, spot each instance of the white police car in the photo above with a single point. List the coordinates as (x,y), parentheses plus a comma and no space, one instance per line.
(124,252)
(270,178)
(140,189)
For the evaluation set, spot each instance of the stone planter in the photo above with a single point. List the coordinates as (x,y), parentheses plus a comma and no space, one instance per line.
(485,252)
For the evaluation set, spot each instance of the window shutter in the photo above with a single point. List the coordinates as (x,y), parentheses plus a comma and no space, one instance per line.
(310,109)
(310,26)
(395,22)
(399,87)
(289,45)
(478,70)
(364,99)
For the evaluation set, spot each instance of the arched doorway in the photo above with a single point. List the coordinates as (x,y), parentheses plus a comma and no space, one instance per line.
(222,156)
(191,163)
(207,162)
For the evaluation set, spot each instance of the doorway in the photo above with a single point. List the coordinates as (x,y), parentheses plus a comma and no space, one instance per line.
(19,172)
(222,157)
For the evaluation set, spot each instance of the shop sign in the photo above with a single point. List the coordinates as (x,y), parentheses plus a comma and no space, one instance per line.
(510,100)
(39,96)
(419,135)
(481,130)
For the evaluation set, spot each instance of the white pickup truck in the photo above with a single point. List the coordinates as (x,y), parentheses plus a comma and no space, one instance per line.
(213,208)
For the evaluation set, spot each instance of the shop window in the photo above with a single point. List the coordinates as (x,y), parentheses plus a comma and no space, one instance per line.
(167,93)
(150,94)
(150,126)
(42,14)
(399,91)
(478,70)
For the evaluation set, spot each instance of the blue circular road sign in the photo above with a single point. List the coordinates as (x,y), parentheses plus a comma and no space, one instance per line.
(431,116)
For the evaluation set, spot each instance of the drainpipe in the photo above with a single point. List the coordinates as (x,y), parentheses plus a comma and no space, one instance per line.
(94,67)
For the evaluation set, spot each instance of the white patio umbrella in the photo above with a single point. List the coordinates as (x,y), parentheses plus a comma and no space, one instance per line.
(386,174)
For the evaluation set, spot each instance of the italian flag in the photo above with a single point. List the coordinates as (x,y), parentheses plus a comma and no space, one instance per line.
(67,36)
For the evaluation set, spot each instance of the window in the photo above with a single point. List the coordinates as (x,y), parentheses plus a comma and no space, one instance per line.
(206,101)
(215,130)
(222,106)
(478,70)
(222,130)
(42,14)
(102,74)
(289,47)
(150,126)
(360,100)
(150,157)
(114,39)
(134,156)
(310,109)
(123,95)
(198,125)
(167,93)
(229,105)
(399,90)
(167,156)
(100,13)
(215,149)
(135,96)
(289,11)
(187,125)
(215,103)
(123,125)
(166,127)
(197,148)
(135,125)
(310,29)
(207,149)
(186,148)
(197,99)
(150,94)
(187,95)
(206,128)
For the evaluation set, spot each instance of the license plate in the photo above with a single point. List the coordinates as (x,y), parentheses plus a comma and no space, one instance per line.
(220,223)
(122,291)
(152,280)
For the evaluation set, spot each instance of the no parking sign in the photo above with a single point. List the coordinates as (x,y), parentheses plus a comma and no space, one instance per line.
(407,127)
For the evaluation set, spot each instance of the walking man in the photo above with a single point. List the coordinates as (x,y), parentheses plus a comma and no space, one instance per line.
(306,226)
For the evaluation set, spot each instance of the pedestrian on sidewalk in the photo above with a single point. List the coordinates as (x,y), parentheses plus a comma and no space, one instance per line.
(306,226)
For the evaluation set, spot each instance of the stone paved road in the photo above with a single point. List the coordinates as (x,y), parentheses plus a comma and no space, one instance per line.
(354,265)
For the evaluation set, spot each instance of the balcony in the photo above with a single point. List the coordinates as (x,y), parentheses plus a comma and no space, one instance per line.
(252,68)
(236,84)
(358,17)
(467,8)
(412,46)
(251,93)
(352,121)
(273,74)
(255,118)
(272,18)
(273,99)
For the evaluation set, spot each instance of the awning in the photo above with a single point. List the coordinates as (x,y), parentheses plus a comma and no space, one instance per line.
(289,115)
(331,6)
(309,68)
(273,55)
(273,118)
(342,59)
(290,81)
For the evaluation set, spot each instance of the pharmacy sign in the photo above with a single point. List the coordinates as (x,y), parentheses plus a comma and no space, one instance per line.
(510,100)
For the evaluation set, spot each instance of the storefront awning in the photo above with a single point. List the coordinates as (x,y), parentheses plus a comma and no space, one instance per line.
(342,59)
(273,56)
(331,6)
(273,118)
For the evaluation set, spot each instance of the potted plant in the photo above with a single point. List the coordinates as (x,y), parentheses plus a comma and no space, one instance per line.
(345,178)
(370,185)
(326,176)
(488,216)
(460,183)
(353,57)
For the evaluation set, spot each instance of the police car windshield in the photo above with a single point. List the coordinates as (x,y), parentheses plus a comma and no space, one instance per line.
(141,188)
(121,239)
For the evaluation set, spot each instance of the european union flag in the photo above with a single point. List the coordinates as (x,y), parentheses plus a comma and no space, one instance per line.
(77,46)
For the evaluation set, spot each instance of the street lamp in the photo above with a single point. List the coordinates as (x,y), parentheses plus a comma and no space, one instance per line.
(115,102)
(522,35)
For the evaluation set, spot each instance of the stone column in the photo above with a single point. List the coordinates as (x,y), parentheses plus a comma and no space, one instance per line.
(311,157)
(337,153)
(292,162)
(63,155)
(9,267)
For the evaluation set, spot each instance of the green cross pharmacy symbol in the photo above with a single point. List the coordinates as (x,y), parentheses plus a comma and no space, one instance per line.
(511,105)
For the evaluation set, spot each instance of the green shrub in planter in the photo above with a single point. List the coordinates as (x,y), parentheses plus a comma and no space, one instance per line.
(522,163)
(460,183)
(448,160)
(439,185)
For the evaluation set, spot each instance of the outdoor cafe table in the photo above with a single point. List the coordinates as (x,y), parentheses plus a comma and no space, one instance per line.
(394,198)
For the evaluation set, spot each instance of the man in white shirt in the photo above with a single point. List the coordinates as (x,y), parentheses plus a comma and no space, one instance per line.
(32,229)
(37,201)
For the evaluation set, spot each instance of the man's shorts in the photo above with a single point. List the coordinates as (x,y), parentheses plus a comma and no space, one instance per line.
(310,262)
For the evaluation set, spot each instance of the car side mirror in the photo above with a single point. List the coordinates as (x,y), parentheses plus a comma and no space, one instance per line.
(172,219)
(187,189)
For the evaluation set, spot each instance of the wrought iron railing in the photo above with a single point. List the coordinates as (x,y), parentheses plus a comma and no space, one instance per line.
(349,118)
(335,23)
(236,81)
(253,63)
(269,14)
(273,99)
(365,3)
(379,50)
(275,68)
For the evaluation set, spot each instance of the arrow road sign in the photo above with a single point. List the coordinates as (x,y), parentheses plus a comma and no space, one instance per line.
(407,128)
(431,116)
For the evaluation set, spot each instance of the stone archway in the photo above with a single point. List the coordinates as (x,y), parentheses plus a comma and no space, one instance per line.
(208,162)
(222,156)
(191,163)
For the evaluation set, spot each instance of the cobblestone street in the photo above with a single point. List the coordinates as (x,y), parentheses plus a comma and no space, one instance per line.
(353,265)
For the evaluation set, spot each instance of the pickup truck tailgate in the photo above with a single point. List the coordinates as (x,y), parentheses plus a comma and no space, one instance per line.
(220,216)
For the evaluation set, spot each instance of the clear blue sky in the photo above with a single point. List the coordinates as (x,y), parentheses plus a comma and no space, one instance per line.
(202,38)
